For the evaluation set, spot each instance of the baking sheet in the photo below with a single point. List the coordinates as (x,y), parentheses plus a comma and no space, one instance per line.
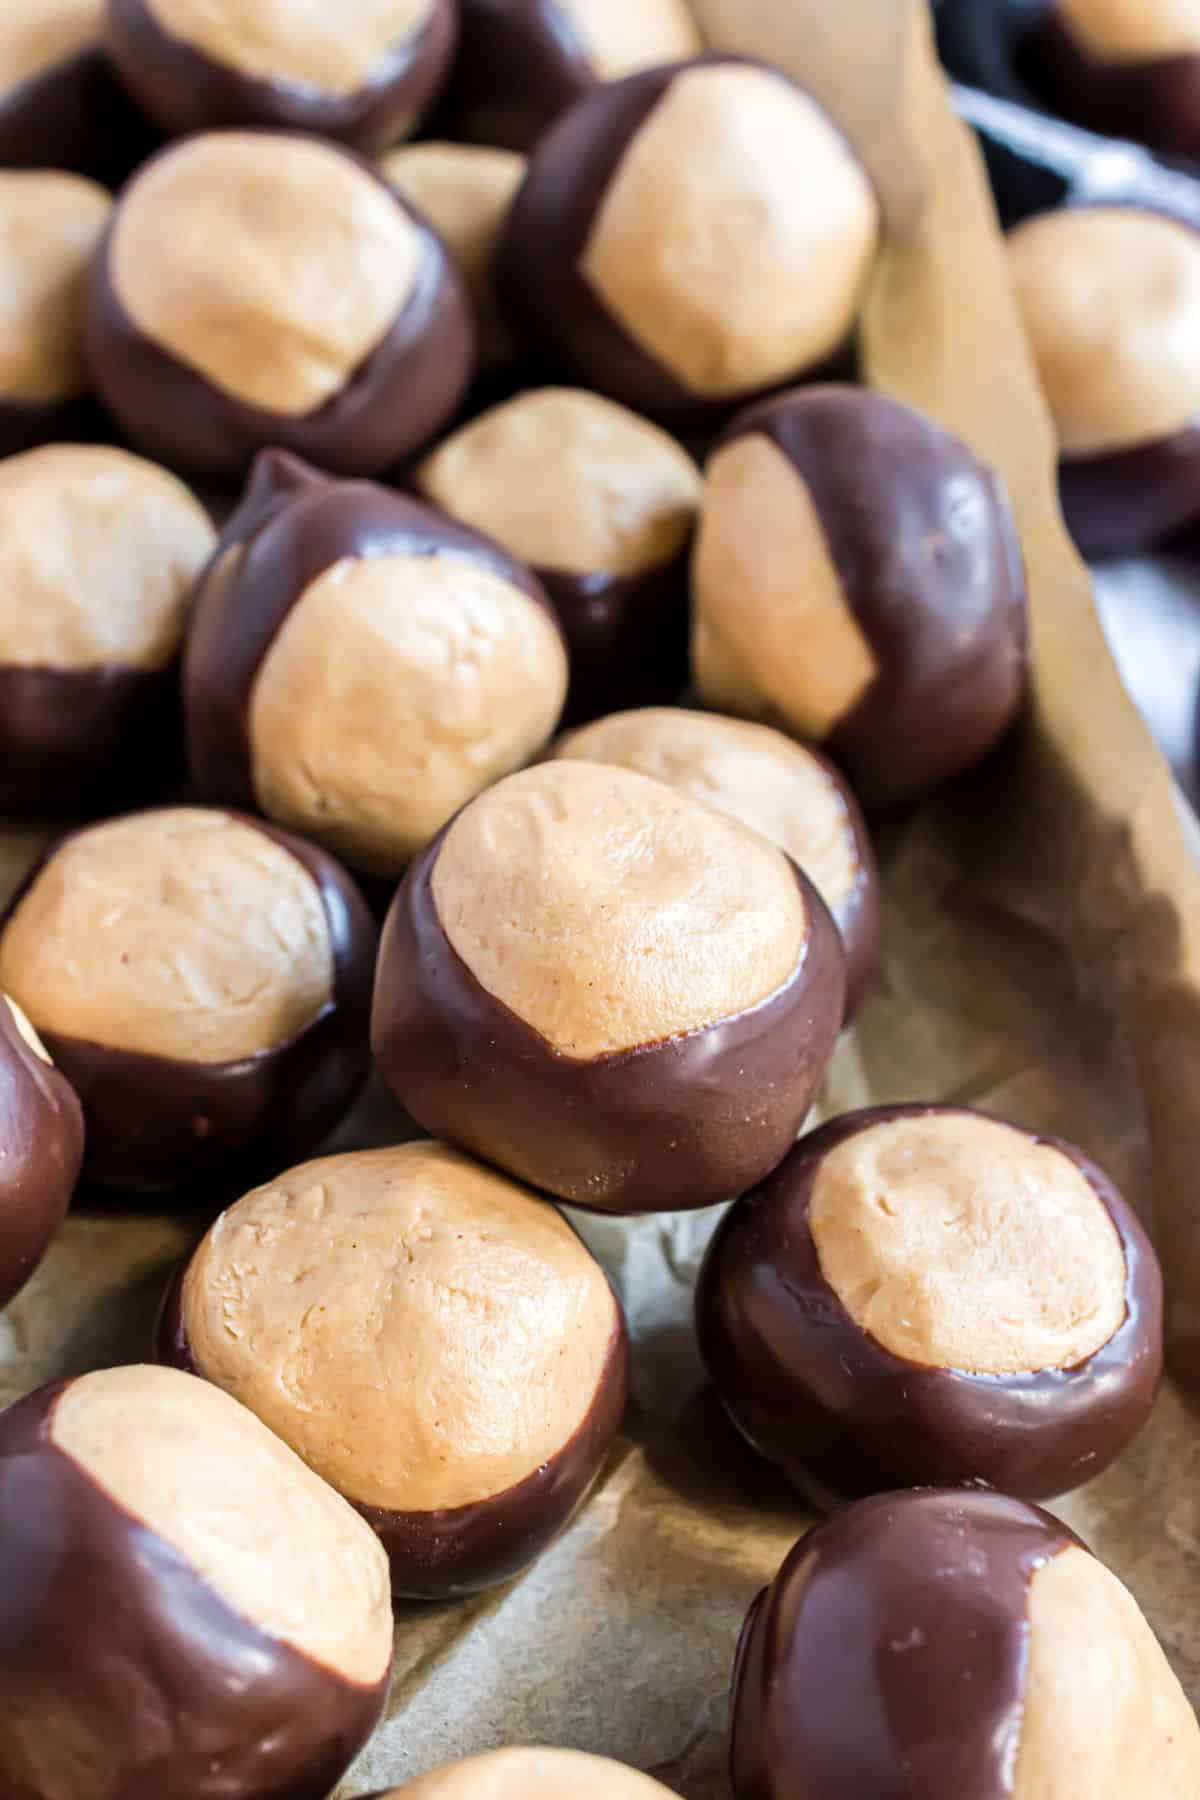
(1042,953)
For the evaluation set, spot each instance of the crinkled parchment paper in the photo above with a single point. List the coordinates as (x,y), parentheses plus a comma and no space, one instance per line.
(1043,951)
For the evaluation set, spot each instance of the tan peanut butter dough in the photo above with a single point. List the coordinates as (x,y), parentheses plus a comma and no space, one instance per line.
(607,911)
(99,550)
(336,49)
(1134,30)
(734,169)
(1105,1717)
(1111,300)
(50,226)
(751,772)
(772,626)
(619,39)
(180,933)
(569,481)
(532,1775)
(959,1242)
(396,688)
(277,1544)
(317,261)
(36,34)
(465,191)
(424,1332)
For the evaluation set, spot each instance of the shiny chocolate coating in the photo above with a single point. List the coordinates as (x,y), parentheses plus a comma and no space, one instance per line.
(72,115)
(841,1416)
(658,1128)
(408,387)
(41,1148)
(1127,500)
(78,741)
(293,524)
(183,89)
(103,1622)
(520,64)
(156,1122)
(459,1550)
(1155,101)
(888,1656)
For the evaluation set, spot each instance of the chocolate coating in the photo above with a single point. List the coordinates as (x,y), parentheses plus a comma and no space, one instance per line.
(156,1121)
(1128,500)
(1155,101)
(72,115)
(519,65)
(926,552)
(626,636)
(183,89)
(660,1128)
(446,1554)
(888,1656)
(406,388)
(842,1417)
(539,264)
(76,741)
(101,1620)
(41,1148)
(292,525)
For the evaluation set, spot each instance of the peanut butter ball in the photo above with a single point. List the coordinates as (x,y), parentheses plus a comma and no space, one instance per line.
(363,72)
(430,1337)
(169,1565)
(782,789)
(857,580)
(202,980)
(266,288)
(611,991)
(691,237)
(931,1643)
(1126,68)
(98,553)
(600,504)
(531,1775)
(359,666)
(926,1296)
(41,1148)
(521,63)
(1111,299)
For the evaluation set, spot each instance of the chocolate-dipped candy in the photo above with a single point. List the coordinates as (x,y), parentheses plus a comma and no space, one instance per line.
(522,62)
(185,1609)
(782,789)
(857,580)
(50,225)
(98,552)
(601,505)
(922,1645)
(1127,68)
(690,238)
(41,1148)
(59,105)
(1111,300)
(608,989)
(530,1775)
(359,666)
(203,981)
(264,288)
(928,1296)
(431,1338)
(363,72)
(465,191)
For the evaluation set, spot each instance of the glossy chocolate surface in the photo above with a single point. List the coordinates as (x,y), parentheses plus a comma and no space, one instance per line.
(659,1128)
(926,552)
(538,265)
(72,115)
(407,388)
(184,89)
(842,1417)
(292,525)
(74,740)
(41,1148)
(121,1667)
(887,1658)
(459,1550)
(520,64)
(1155,101)
(156,1122)
(626,636)
(1132,499)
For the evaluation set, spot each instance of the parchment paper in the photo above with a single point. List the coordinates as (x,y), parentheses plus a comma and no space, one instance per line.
(1042,959)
